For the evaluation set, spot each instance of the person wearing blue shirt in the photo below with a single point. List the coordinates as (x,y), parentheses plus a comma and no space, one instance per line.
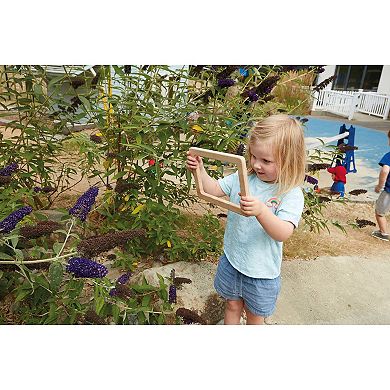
(382,206)
(248,273)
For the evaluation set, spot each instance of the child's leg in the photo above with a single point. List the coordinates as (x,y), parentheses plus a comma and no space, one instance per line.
(252,319)
(382,207)
(233,311)
(382,223)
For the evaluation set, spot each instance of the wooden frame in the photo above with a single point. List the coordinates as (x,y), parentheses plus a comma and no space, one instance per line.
(225,157)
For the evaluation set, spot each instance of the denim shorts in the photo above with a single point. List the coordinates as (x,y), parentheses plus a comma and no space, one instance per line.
(259,295)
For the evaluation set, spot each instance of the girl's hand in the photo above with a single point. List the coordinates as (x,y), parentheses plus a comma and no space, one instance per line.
(378,188)
(251,206)
(193,162)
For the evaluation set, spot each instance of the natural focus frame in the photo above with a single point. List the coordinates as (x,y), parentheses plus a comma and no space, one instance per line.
(224,157)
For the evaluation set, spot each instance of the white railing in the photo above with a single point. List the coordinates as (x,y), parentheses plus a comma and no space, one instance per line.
(374,104)
(337,102)
(346,103)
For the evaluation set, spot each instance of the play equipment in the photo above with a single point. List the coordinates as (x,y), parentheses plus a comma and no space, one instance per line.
(348,148)
(224,157)
(349,158)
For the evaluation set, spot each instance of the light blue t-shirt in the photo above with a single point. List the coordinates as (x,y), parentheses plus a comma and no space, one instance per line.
(247,246)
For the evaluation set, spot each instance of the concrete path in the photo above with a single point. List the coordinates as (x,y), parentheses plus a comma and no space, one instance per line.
(359,119)
(335,290)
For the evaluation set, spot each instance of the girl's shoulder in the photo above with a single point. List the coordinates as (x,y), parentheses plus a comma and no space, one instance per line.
(294,193)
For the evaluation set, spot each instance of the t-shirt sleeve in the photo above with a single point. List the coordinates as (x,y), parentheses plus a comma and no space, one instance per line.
(385,160)
(226,183)
(291,207)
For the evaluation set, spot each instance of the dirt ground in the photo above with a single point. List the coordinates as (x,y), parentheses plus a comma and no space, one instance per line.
(306,245)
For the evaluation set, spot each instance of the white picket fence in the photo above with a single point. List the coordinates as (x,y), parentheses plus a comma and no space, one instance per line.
(346,103)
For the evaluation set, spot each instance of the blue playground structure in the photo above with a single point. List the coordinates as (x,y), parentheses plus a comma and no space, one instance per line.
(349,159)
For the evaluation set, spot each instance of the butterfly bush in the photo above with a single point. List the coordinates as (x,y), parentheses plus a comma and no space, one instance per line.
(358,191)
(121,291)
(311,179)
(84,204)
(9,223)
(41,228)
(189,316)
(252,95)
(225,83)
(123,279)
(9,169)
(86,268)
(92,246)
(172,294)
(45,190)
(5,179)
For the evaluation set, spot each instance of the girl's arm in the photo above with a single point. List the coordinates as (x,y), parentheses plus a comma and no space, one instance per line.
(210,185)
(275,227)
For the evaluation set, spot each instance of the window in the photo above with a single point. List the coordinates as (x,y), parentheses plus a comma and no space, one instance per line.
(354,77)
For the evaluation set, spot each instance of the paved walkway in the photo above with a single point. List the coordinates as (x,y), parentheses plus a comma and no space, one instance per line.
(363,120)
(335,290)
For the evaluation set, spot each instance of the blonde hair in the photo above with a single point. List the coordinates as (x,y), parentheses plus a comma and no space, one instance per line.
(285,135)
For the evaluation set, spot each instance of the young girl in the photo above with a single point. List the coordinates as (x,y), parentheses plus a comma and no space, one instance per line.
(248,274)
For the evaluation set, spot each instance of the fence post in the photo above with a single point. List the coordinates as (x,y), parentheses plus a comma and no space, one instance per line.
(387,109)
(354,105)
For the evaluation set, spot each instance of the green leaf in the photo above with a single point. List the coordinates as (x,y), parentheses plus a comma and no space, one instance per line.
(19,254)
(55,275)
(55,81)
(14,241)
(99,303)
(57,247)
(146,300)
(4,256)
(23,294)
(143,147)
(86,103)
(38,89)
(115,313)
(120,174)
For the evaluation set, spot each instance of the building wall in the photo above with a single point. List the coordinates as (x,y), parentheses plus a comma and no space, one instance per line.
(384,82)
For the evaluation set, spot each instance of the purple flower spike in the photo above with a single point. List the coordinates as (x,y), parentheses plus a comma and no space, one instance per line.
(84,204)
(253,96)
(225,83)
(86,268)
(9,170)
(113,292)
(123,279)
(9,223)
(172,294)
(311,179)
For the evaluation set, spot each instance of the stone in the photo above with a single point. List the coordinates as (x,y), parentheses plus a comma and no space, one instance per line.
(199,295)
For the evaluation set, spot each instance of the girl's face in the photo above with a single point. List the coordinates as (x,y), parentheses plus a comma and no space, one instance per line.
(263,162)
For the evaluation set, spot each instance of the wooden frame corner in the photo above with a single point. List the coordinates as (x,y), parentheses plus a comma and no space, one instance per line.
(225,157)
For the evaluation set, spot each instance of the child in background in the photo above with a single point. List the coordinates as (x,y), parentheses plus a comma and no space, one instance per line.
(248,273)
(339,179)
(382,205)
